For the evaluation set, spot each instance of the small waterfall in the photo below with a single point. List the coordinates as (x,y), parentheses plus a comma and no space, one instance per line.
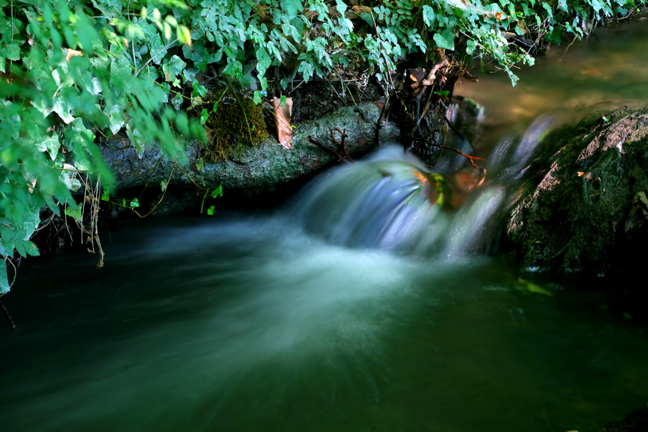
(375,203)
(470,223)
(379,202)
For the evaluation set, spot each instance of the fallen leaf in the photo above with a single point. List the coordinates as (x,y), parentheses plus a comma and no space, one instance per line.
(283,114)
(72,53)
(361,9)
(533,288)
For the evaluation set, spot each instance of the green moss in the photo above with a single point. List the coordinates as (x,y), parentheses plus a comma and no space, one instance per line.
(238,122)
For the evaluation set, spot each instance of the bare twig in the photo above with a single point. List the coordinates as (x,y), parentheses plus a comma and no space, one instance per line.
(471,159)
(155,55)
(457,132)
(163,194)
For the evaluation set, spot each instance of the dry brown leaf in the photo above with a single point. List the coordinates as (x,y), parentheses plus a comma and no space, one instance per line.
(361,9)
(72,53)
(283,115)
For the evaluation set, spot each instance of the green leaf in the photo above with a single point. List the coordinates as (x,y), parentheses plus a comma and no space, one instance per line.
(218,192)
(183,34)
(105,196)
(198,90)
(283,101)
(172,68)
(470,46)
(12,52)
(75,214)
(26,248)
(200,164)
(51,145)
(163,185)
(134,203)
(292,7)
(445,40)
(204,115)
(210,211)
(257,97)
(215,108)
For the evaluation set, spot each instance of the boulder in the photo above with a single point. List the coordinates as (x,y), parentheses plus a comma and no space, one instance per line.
(586,211)
(252,169)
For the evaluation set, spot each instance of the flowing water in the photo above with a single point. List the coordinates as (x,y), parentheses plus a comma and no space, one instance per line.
(357,307)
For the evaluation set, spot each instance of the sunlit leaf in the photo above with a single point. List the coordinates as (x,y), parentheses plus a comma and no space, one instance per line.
(218,192)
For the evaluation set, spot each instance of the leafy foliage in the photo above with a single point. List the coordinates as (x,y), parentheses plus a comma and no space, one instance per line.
(68,79)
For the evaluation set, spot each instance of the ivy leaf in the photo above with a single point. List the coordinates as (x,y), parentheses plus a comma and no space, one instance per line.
(63,108)
(172,68)
(257,97)
(51,145)
(198,90)
(12,52)
(445,40)
(204,115)
(163,185)
(470,46)
(210,211)
(134,203)
(292,7)
(116,118)
(218,192)
(75,214)
(105,196)
(177,101)
(26,248)
(283,101)
(200,164)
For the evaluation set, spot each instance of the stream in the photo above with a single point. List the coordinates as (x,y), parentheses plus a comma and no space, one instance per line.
(357,306)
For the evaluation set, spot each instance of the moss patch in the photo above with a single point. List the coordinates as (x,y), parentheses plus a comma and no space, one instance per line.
(237,123)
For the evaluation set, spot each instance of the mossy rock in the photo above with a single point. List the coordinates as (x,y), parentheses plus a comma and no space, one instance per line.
(238,123)
(578,217)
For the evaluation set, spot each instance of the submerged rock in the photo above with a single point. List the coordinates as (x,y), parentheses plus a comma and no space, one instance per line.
(587,211)
(636,421)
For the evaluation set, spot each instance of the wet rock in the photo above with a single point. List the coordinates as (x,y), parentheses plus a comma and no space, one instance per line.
(256,169)
(585,213)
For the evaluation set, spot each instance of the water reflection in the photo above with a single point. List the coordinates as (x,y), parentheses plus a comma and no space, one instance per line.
(606,72)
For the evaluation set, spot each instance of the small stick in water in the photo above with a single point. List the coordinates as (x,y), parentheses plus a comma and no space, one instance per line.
(6,312)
